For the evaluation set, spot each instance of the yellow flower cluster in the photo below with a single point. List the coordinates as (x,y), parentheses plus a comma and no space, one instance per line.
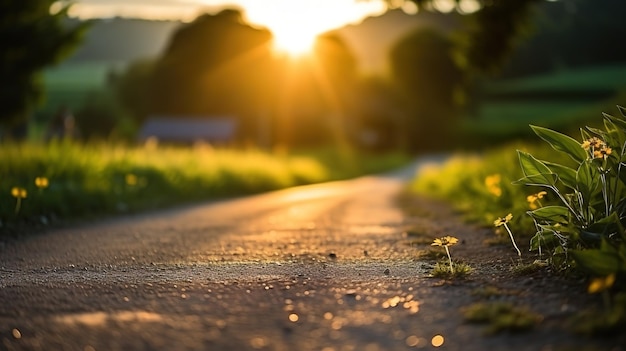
(597,147)
(41,182)
(533,200)
(599,284)
(19,193)
(492,183)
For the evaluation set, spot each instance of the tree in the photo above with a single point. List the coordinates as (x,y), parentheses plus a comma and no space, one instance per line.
(34,34)
(216,65)
(493,31)
(431,82)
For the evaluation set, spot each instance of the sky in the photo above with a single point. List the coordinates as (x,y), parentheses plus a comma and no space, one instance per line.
(294,23)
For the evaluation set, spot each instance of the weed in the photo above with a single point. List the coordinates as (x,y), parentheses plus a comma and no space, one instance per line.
(587,223)
(456,270)
(501,316)
(446,242)
(503,222)
(529,268)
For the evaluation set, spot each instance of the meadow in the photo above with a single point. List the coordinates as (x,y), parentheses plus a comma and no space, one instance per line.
(66,181)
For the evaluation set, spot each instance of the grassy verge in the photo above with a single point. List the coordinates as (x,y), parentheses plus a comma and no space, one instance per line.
(95,180)
(479,185)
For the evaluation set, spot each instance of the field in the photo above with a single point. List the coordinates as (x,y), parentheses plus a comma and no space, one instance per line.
(558,100)
(68,181)
(70,84)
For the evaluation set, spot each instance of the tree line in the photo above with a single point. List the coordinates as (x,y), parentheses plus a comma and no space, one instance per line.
(218,65)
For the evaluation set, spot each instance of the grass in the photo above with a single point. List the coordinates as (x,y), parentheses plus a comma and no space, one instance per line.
(94,180)
(463,181)
(608,77)
(501,316)
(544,100)
(442,270)
(71,83)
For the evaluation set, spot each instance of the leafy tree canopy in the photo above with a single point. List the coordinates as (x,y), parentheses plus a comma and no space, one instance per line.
(33,35)
(493,31)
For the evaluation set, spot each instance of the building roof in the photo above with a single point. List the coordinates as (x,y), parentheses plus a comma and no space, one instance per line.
(189,129)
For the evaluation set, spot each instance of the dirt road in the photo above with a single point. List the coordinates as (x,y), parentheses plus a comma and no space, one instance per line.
(325,267)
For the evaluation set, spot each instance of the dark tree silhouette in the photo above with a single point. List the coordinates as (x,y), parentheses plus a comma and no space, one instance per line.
(493,31)
(215,65)
(31,39)
(431,83)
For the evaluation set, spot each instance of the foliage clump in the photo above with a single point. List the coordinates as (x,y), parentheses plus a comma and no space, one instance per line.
(501,316)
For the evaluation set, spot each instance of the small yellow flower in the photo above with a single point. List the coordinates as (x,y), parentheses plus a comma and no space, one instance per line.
(603,152)
(593,142)
(445,241)
(19,193)
(492,183)
(586,144)
(504,220)
(41,182)
(601,284)
(534,198)
(131,179)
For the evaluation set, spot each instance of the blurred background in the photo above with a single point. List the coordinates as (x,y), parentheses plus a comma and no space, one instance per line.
(375,75)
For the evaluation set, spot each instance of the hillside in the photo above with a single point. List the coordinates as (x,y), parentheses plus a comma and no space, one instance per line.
(123,40)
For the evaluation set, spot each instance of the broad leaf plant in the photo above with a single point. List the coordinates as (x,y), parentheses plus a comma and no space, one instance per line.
(585,224)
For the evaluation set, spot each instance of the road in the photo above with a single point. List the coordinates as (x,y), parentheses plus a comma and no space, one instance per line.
(323,267)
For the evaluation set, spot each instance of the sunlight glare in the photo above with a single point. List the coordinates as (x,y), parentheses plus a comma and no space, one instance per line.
(296,24)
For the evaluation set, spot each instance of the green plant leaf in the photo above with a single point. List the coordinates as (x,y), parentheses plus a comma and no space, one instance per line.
(559,214)
(596,261)
(544,180)
(607,226)
(616,135)
(567,175)
(530,165)
(561,142)
(587,180)
(621,122)
(545,238)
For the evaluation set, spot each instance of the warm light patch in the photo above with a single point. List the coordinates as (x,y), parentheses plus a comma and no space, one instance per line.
(296,24)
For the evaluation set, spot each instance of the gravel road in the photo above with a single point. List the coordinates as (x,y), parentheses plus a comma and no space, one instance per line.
(324,267)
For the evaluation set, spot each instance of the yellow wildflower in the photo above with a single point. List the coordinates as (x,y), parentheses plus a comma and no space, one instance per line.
(131,179)
(492,183)
(603,152)
(19,193)
(533,199)
(41,182)
(593,142)
(504,220)
(601,284)
(445,241)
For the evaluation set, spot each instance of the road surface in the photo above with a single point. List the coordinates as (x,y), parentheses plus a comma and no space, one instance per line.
(323,267)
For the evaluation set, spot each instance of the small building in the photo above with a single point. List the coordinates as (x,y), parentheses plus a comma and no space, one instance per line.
(188,130)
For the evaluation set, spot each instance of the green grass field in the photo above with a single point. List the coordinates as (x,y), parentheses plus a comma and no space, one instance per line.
(71,83)
(543,100)
(96,180)
(610,77)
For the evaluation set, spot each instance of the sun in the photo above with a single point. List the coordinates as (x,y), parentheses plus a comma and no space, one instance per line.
(296,24)
(294,40)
